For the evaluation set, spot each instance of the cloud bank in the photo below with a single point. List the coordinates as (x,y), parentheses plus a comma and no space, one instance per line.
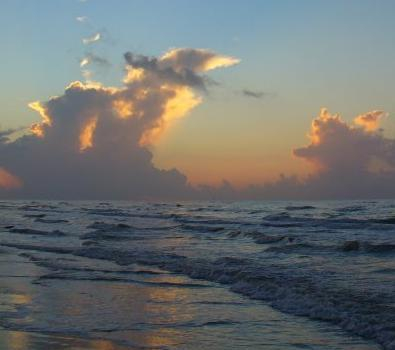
(351,161)
(92,140)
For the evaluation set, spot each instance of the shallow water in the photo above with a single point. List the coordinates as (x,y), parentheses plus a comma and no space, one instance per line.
(125,275)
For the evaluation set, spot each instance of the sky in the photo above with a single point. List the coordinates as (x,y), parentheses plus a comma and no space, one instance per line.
(290,60)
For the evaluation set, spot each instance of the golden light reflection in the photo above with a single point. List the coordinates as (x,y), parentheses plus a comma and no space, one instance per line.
(167,305)
(103,345)
(86,136)
(20,299)
(17,340)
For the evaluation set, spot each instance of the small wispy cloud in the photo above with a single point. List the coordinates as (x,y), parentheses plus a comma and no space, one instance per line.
(253,94)
(81,19)
(95,59)
(84,62)
(98,60)
(91,39)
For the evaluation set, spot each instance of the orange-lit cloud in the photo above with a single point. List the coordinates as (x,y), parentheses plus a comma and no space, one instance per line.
(370,121)
(183,101)
(91,142)
(87,132)
(338,145)
(197,60)
(39,128)
(8,181)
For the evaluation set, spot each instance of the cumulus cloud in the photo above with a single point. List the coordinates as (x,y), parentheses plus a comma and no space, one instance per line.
(91,142)
(347,149)
(351,160)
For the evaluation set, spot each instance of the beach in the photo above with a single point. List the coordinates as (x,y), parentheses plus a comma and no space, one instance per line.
(192,275)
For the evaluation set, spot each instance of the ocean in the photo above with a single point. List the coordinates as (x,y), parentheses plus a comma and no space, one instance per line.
(197,275)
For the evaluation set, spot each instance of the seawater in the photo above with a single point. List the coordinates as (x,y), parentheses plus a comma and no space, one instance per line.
(193,275)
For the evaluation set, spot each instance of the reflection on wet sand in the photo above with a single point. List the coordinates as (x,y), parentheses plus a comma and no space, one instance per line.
(16,340)
(134,314)
(155,311)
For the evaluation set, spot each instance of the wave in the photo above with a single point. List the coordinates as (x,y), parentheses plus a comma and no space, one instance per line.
(285,220)
(259,237)
(104,226)
(300,247)
(389,220)
(285,289)
(101,278)
(29,231)
(368,247)
(51,221)
(106,212)
(202,228)
(299,207)
(40,248)
(35,215)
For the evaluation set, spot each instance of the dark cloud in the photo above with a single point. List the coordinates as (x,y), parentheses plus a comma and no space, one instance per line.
(5,134)
(98,60)
(253,94)
(151,64)
(182,66)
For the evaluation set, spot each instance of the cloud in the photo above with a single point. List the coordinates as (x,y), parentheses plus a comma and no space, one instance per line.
(81,19)
(253,94)
(92,140)
(370,121)
(91,58)
(347,149)
(92,39)
(96,59)
(196,60)
(8,181)
(84,62)
(351,160)
(181,66)
(5,134)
